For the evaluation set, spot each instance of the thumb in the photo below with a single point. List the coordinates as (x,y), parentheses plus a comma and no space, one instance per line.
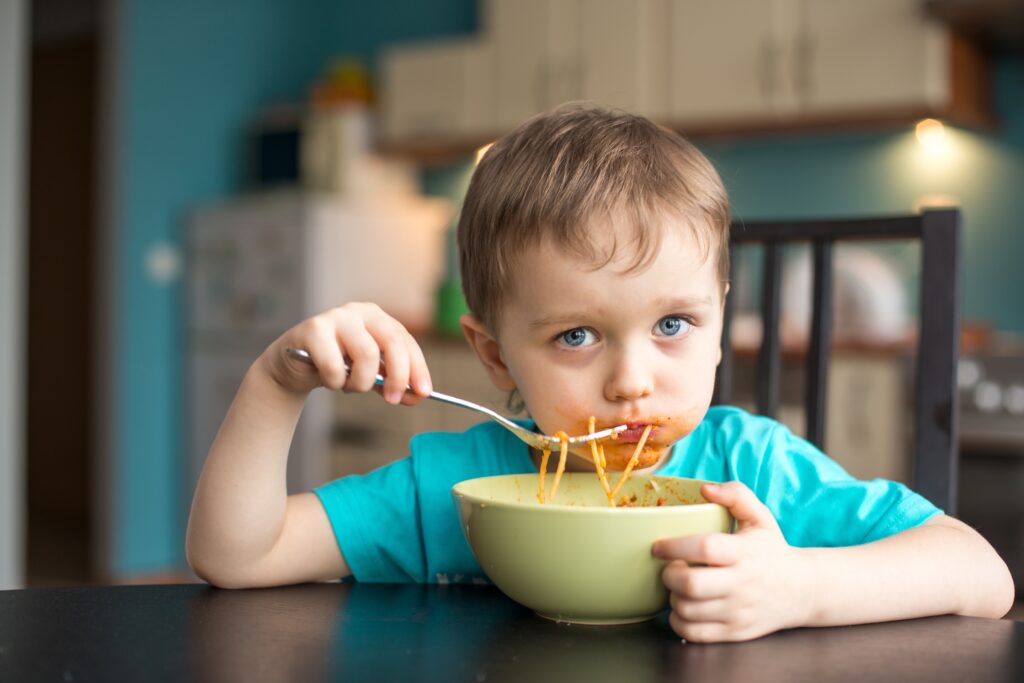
(742,504)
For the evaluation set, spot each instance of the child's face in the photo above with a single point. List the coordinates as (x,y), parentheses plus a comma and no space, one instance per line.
(636,348)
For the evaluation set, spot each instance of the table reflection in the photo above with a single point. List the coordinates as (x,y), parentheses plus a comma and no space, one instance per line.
(408,631)
(274,634)
(474,633)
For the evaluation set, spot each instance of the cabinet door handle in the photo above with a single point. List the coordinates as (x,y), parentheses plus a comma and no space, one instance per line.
(766,68)
(542,88)
(803,58)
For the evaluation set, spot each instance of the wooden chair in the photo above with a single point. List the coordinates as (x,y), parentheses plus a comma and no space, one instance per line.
(935,452)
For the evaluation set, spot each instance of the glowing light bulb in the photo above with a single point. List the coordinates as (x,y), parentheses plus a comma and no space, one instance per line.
(931,135)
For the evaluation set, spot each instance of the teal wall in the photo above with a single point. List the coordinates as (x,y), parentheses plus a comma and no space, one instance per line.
(191,73)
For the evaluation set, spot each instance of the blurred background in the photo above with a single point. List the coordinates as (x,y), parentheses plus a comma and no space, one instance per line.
(181,182)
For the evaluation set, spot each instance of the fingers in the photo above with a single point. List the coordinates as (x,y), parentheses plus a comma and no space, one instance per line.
(696,611)
(419,374)
(370,342)
(362,351)
(741,502)
(406,377)
(698,583)
(712,621)
(705,631)
(318,339)
(710,549)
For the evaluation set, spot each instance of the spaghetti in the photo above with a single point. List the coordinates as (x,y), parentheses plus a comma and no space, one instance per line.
(632,461)
(590,426)
(598,457)
(563,439)
(543,471)
(597,453)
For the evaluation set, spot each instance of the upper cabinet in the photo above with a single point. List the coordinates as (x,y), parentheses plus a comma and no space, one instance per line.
(701,66)
(740,64)
(870,54)
(553,51)
(536,44)
(623,55)
(730,60)
(437,91)
(532,56)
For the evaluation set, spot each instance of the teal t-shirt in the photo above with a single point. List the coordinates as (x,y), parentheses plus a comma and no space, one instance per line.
(399,523)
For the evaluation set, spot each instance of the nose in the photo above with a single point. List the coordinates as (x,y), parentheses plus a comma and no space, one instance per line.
(629,379)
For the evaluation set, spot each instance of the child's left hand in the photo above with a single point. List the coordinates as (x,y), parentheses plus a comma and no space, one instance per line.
(753,583)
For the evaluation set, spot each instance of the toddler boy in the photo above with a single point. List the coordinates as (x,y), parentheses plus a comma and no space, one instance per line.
(594,255)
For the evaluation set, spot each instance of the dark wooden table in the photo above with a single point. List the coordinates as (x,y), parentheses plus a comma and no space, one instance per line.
(446,633)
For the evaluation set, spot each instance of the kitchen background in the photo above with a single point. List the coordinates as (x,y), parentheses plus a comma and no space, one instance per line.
(200,175)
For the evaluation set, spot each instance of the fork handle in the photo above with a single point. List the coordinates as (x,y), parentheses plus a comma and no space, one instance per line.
(303,356)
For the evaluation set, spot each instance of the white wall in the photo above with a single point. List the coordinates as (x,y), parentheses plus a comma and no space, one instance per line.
(13,104)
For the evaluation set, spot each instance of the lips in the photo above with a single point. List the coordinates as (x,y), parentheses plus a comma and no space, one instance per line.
(634,431)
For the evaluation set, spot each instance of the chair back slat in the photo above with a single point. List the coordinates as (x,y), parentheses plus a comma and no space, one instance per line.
(723,377)
(935,448)
(935,461)
(768,361)
(816,392)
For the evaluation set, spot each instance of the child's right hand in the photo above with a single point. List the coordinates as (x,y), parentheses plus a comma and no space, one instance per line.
(360,335)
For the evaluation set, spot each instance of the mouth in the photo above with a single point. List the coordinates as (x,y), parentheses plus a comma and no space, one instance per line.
(635,430)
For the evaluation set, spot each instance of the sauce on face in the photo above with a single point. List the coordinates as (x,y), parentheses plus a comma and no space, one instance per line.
(599,459)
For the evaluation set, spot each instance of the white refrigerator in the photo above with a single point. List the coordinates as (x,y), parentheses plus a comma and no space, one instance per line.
(260,264)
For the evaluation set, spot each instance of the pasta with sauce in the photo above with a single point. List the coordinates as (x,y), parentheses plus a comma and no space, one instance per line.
(598,457)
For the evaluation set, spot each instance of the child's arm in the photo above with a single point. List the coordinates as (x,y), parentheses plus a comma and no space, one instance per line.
(755,583)
(244,530)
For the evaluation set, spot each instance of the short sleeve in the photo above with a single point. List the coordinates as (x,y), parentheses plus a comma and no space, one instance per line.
(362,507)
(818,504)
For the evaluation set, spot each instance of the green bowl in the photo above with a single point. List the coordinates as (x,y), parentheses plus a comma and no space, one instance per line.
(577,559)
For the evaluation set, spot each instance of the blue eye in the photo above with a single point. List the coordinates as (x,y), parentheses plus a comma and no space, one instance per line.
(671,326)
(576,337)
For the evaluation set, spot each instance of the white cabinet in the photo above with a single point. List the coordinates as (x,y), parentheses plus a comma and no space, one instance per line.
(728,59)
(536,45)
(870,53)
(624,55)
(749,60)
(547,52)
(698,65)
(439,89)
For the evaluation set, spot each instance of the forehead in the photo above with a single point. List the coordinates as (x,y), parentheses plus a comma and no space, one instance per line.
(549,276)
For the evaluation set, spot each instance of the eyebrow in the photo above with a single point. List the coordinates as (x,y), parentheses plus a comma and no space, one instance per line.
(673,303)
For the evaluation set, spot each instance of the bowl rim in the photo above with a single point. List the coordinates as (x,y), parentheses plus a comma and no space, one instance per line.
(584,509)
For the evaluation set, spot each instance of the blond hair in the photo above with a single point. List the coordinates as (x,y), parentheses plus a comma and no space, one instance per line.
(561,170)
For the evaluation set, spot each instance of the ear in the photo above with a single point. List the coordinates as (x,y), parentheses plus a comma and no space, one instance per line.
(725,293)
(488,351)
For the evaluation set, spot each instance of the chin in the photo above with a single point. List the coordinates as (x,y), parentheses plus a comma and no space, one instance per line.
(617,457)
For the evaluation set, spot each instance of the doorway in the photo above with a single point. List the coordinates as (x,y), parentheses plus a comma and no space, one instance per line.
(62,146)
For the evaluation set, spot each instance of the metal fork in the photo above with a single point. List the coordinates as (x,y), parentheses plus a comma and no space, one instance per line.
(539,441)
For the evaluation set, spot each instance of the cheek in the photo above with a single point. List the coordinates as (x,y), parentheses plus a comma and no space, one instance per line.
(693,375)
(569,415)
(557,400)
